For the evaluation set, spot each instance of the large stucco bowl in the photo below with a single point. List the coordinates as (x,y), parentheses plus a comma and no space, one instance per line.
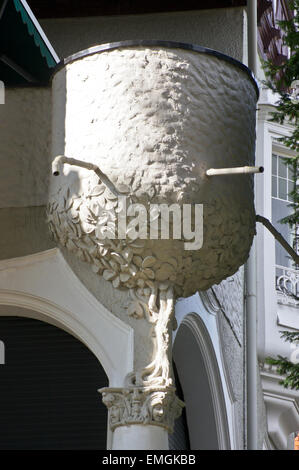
(154,116)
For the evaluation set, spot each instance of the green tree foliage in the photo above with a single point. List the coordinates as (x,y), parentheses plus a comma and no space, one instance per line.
(279,80)
(285,367)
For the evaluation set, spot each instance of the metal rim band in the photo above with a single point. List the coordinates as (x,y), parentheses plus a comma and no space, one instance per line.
(154,43)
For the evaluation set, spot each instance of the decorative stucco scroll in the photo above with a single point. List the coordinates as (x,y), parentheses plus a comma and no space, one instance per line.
(159,371)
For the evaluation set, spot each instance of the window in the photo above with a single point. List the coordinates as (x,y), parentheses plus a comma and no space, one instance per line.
(287,276)
(282,179)
(282,184)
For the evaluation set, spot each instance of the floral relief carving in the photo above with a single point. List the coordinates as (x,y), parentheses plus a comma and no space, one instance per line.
(85,224)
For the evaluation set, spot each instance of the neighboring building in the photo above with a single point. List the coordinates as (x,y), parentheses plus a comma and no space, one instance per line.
(64,330)
(278,275)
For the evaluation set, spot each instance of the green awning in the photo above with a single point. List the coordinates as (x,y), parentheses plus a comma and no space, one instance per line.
(26,55)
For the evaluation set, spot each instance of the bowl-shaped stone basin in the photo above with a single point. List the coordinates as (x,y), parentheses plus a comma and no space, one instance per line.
(154,116)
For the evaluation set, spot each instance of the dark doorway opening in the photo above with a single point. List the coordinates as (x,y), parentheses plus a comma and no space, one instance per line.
(48,389)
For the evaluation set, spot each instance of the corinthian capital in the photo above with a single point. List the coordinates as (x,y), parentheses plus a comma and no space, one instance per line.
(142,405)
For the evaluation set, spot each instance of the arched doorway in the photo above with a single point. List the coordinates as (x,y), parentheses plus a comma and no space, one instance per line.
(200,381)
(48,389)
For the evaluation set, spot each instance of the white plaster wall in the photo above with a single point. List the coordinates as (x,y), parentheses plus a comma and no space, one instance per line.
(25,131)
(223,29)
(24,230)
(230,295)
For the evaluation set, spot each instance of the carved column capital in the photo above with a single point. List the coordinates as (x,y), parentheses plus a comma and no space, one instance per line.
(142,405)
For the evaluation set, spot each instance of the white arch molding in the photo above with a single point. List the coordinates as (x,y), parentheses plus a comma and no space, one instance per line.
(45,287)
(201,321)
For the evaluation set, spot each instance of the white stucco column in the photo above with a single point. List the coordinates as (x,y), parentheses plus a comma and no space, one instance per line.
(140,437)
